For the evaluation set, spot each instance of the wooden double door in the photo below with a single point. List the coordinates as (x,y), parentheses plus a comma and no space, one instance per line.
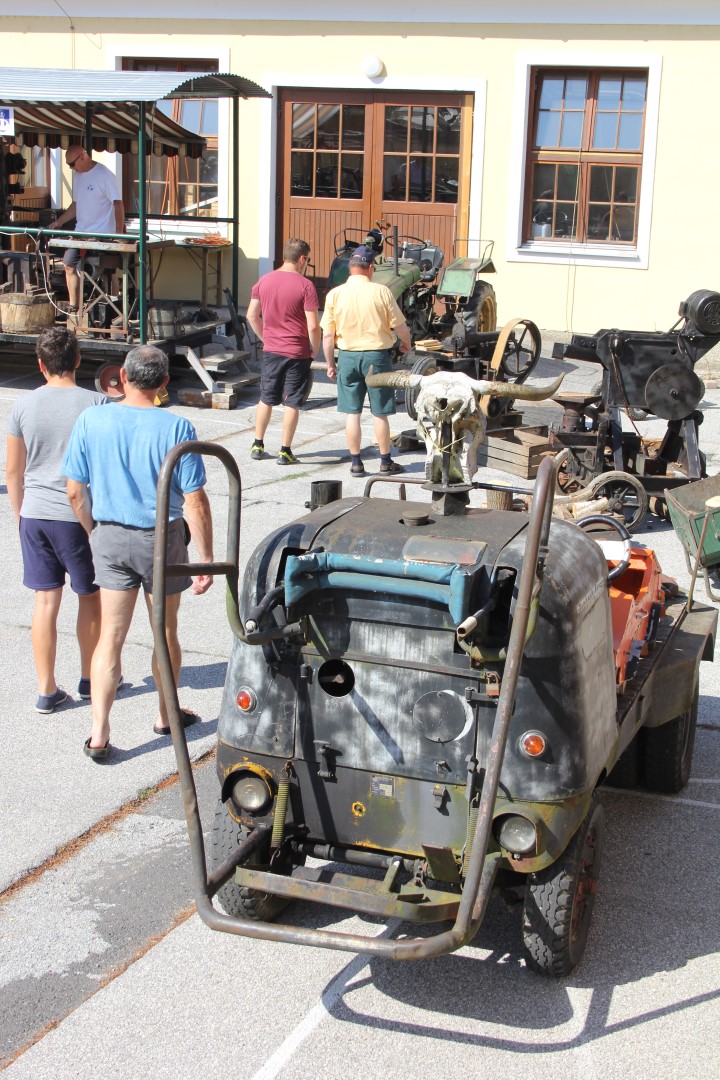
(350,158)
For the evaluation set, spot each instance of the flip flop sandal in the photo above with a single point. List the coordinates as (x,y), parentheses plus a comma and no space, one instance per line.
(96,753)
(187,716)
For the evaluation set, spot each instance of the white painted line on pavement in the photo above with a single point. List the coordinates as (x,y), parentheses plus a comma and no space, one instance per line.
(330,997)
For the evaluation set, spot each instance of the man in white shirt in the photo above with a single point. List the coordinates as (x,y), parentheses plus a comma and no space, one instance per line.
(97,207)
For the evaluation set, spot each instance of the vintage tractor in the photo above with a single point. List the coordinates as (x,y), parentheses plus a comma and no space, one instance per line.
(423,698)
(431,297)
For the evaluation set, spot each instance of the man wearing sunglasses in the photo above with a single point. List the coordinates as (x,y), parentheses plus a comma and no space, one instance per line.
(97,208)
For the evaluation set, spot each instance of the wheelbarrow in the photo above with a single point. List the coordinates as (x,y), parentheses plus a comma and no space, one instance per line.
(695,514)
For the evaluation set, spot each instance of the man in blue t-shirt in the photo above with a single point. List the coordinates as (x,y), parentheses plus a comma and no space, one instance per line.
(119,460)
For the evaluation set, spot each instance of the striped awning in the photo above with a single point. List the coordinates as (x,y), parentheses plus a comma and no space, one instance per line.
(114,129)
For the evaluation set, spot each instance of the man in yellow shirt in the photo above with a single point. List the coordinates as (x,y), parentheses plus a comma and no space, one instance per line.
(364,319)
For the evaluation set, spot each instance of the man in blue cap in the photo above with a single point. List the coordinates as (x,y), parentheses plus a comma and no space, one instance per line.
(364,319)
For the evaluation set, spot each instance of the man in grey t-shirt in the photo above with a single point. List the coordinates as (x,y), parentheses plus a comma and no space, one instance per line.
(52,540)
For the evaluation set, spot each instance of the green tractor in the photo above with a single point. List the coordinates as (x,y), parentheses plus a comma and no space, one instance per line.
(413,271)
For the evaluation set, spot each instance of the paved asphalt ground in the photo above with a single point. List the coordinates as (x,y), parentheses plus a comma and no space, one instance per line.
(106,973)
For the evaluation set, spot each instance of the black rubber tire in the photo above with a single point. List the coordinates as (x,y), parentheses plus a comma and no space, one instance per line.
(234,900)
(665,753)
(624,773)
(559,901)
(479,315)
(426,365)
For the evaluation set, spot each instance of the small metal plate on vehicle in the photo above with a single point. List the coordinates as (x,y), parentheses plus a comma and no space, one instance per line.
(383,785)
(440,549)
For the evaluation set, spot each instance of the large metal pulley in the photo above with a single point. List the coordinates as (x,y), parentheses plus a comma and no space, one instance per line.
(673,392)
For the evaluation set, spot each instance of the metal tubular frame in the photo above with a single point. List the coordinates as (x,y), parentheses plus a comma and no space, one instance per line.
(482,865)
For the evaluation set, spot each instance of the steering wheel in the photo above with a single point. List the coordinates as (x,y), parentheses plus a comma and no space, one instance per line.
(403,239)
(603,519)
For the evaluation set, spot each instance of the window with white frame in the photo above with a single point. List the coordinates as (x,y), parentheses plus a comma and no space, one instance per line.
(585,155)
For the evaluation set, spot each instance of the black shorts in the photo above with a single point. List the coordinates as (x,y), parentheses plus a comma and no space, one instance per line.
(52,549)
(284,380)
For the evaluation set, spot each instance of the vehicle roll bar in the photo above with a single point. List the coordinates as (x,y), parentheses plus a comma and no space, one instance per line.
(482,866)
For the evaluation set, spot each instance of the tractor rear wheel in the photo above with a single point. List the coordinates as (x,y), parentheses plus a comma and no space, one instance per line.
(479,315)
(425,365)
(559,901)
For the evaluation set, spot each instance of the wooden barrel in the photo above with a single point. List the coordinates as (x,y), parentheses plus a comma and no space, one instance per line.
(23,313)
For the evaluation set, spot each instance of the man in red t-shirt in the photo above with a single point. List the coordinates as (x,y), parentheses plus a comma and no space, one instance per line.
(283,313)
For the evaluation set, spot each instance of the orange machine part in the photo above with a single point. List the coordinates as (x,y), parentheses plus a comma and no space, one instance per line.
(637,601)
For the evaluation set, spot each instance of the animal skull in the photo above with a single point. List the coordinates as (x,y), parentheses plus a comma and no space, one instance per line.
(450,421)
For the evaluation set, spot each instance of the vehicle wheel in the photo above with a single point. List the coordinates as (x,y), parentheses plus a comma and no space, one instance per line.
(568,482)
(658,507)
(240,902)
(666,752)
(559,901)
(107,380)
(426,365)
(522,351)
(626,495)
(479,315)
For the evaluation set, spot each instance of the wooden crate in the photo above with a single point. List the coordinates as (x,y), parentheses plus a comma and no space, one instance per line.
(515,450)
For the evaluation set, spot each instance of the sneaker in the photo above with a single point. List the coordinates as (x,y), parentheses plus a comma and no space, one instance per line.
(357,470)
(257,452)
(286,457)
(84,687)
(48,703)
(391,468)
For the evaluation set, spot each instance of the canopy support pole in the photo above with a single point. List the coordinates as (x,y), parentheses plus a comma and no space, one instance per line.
(142,215)
(235,196)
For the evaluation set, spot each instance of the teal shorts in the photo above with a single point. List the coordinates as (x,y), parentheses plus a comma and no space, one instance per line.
(352,368)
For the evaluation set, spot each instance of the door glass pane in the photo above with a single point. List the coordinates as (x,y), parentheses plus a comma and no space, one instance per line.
(328,127)
(419,179)
(630,131)
(601,178)
(448,130)
(605,131)
(395,181)
(353,127)
(422,129)
(446,180)
(548,129)
(351,176)
(571,129)
(326,176)
(396,127)
(303,125)
(208,201)
(301,177)
(567,181)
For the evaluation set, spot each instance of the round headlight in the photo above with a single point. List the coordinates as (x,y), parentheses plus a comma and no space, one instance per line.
(251,793)
(516,834)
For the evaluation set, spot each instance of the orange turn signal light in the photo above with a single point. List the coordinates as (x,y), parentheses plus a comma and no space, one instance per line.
(246,700)
(533,744)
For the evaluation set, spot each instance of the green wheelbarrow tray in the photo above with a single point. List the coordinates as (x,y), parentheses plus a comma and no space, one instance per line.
(686,506)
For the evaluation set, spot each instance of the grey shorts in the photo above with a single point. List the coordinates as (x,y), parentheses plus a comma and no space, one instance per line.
(123,556)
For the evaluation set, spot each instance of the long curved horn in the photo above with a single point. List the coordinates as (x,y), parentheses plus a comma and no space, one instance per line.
(393,378)
(520,392)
